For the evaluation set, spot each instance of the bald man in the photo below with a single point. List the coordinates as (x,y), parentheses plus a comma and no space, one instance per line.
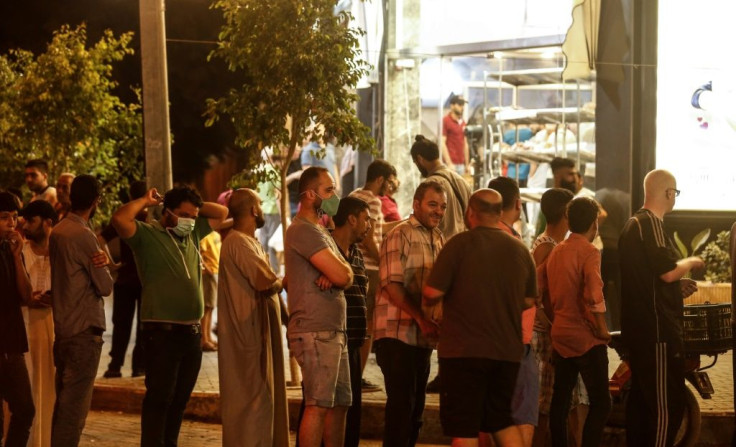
(651,315)
(486,278)
(250,355)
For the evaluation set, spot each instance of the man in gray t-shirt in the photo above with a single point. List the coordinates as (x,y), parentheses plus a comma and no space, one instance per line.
(316,275)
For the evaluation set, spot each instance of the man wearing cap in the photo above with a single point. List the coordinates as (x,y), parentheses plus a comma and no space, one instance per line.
(455,151)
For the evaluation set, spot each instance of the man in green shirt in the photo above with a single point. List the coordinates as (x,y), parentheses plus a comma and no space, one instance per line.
(170,268)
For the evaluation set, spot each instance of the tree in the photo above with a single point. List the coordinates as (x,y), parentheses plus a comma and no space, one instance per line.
(60,106)
(297,65)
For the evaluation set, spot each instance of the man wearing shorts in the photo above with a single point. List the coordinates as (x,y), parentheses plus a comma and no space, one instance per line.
(316,275)
(480,343)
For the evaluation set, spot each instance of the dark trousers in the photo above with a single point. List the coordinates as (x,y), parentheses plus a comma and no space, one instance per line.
(173,359)
(125,301)
(593,367)
(15,389)
(77,359)
(405,371)
(656,401)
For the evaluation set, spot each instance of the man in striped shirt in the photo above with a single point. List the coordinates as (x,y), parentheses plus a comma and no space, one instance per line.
(379,176)
(651,315)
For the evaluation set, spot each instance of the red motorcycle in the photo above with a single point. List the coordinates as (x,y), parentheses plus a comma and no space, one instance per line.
(707,331)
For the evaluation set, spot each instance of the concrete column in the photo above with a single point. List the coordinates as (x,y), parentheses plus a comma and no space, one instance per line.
(155,95)
(402,101)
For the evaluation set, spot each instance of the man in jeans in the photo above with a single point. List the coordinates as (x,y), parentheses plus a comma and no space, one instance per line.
(79,280)
(316,276)
(167,255)
(579,331)
(15,387)
(404,336)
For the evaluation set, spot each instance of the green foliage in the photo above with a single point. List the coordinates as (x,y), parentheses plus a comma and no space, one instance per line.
(695,244)
(717,258)
(59,106)
(297,62)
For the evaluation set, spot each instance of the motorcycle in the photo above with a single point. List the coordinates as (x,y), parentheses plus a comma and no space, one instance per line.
(707,331)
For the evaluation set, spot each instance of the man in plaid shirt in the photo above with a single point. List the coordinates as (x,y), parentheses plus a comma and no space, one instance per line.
(404,337)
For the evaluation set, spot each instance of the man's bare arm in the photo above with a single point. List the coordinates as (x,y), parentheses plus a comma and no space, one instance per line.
(683,267)
(333,267)
(214,213)
(124,218)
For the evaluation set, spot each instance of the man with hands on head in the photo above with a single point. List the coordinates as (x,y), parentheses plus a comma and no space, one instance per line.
(317,275)
(170,267)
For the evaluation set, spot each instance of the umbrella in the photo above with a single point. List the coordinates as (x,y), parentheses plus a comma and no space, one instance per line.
(581,42)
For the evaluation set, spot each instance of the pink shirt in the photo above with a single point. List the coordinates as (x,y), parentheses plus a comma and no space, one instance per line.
(573,278)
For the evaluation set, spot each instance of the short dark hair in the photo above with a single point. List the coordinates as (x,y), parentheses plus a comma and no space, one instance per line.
(554,203)
(349,206)
(379,168)
(180,194)
(40,208)
(309,177)
(427,185)
(480,206)
(39,164)
(8,202)
(137,189)
(508,188)
(558,163)
(85,190)
(581,213)
(428,149)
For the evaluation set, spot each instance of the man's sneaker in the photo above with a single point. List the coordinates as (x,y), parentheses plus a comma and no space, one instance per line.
(433,387)
(368,386)
(138,372)
(112,374)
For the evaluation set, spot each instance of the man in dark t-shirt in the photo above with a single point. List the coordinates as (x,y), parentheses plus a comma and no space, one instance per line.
(15,386)
(651,315)
(480,344)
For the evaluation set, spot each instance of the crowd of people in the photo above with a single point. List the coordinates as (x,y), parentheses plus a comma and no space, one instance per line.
(520,331)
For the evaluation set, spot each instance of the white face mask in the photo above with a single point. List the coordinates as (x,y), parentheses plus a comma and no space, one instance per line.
(184,225)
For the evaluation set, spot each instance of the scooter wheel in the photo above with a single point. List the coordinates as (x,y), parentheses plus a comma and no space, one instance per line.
(689,432)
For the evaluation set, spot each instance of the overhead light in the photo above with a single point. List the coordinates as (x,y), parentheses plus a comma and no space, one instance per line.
(405,63)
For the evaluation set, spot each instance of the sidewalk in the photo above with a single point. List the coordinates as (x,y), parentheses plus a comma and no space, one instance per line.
(126,395)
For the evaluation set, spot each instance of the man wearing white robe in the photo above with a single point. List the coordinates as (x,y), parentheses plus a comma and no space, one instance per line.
(250,356)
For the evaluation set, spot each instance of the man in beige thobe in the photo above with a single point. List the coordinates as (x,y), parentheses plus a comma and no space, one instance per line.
(250,356)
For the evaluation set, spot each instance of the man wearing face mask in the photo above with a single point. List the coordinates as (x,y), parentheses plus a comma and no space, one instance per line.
(250,356)
(170,267)
(317,275)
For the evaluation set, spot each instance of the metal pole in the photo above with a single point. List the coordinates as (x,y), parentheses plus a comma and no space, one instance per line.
(155,95)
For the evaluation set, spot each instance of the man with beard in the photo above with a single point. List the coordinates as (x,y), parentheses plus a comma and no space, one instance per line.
(426,156)
(63,186)
(404,336)
(79,280)
(167,256)
(379,176)
(40,218)
(352,225)
(250,356)
(317,275)
(37,179)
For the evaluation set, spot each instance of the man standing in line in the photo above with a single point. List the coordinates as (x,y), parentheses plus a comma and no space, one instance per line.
(210,251)
(480,337)
(379,176)
(15,387)
(579,331)
(525,403)
(79,280)
(651,315)
(63,187)
(455,150)
(404,336)
(352,225)
(126,299)
(250,355)
(40,218)
(37,180)
(317,275)
(167,255)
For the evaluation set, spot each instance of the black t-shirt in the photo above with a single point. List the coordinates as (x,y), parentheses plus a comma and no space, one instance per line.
(12,329)
(486,274)
(651,309)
